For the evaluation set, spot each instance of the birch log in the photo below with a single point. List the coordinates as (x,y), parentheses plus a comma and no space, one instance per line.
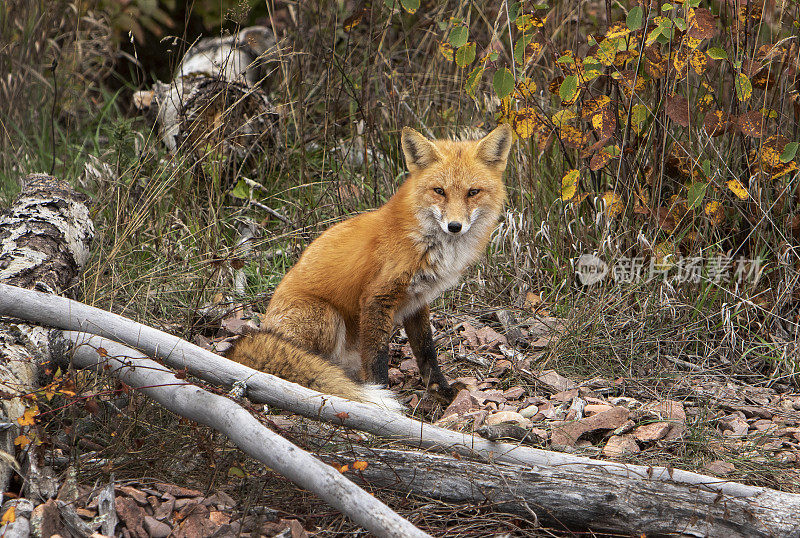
(44,243)
(777,509)
(236,423)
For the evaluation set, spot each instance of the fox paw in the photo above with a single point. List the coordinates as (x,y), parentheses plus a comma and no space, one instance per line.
(445,392)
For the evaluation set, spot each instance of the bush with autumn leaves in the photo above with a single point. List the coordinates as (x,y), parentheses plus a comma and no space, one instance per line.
(675,120)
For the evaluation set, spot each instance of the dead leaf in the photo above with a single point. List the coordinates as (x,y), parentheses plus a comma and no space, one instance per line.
(719,467)
(678,109)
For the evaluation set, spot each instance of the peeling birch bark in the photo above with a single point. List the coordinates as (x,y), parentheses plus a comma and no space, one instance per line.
(44,244)
(214,107)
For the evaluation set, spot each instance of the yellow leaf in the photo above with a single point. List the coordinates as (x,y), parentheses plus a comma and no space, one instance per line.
(715,212)
(526,89)
(360,465)
(613,204)
(10,516)
(698,61)
(344,468)
(563,117)
(664,254)
(22,441)
(525,122)
(27,418)
(569,185)
(738,189)
(446,49)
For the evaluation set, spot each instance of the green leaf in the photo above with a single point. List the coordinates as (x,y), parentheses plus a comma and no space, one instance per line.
(503,82)
(410,5)
(465,55)
(667,7)
(654,34)
(680,24)
(707,168)
(634,18)
(493,56)
(568,88)
(473,79)
(717,53)
(519,47)
(566,59)
(513,11)
(237,472)
(458,36)
(789,152)
(697,192)
(241,190)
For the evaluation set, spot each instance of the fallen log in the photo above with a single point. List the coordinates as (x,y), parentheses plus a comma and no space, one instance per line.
(778,509)
(237,424)
(44,244)
(570,501)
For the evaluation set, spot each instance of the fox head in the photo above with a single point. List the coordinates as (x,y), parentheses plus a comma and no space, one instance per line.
(457,185)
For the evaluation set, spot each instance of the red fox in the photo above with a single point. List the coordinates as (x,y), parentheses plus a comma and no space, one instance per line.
(328,324)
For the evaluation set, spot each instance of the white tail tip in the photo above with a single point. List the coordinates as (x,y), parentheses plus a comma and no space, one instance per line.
(377,395)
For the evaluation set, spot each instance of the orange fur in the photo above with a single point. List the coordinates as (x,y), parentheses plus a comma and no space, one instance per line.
(329,321)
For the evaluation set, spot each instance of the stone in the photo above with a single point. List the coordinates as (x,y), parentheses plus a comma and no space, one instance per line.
(568,433)
(648,433)
(131,514)
(156,528)
(620,445)
(508,416)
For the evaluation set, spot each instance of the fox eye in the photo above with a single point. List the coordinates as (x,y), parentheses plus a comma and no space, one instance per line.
(439,191)
(472,192)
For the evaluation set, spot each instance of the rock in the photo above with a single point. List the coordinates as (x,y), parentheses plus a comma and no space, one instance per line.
(409,366)
(556,381)
(672,411)
(508,416)
(131,514)
(164,510)
(46,519)
(501,367)
(529,411)
(514,393)
(156,528)
(593,409)
(461,404)
(395,376)
(135,494)
(733,425)
(719,467)
(177,491)
(221,500)
(568,433)
(620,445)
(218,517)
(565,395)
(648,433)
(764,425)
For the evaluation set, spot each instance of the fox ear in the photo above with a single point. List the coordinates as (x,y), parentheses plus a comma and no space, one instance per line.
(418,150)
(493,148)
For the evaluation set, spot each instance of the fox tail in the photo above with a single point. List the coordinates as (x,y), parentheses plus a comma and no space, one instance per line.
(270,352)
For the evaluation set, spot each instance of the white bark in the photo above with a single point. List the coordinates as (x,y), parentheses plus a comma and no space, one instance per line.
(266,388)
(236,423)
(44,242)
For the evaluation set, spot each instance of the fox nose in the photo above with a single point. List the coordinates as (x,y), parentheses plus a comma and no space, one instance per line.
(454,227)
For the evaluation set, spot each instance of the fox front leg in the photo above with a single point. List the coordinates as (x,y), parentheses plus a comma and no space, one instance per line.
(377,322)
(418,329)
